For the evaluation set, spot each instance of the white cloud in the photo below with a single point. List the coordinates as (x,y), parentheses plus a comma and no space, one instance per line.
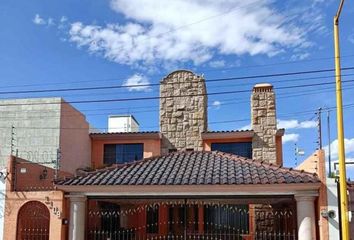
(137,79)
(161,33)
(348,145)
(217,64)
(291,137)
(38,20)
(216,104)
(291,124)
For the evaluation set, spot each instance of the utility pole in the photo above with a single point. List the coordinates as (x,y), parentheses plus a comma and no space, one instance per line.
(341,151)
(329,144)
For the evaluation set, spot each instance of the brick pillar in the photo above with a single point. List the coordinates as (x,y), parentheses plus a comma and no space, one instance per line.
(182,119)
(264,124)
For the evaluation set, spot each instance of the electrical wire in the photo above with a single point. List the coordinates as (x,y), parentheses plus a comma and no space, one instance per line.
(166,97)
(158,84)
(298,113)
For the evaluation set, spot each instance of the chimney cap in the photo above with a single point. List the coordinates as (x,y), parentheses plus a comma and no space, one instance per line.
(263,85)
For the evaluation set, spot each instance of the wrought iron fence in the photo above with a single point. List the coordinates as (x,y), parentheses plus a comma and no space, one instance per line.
(189,220)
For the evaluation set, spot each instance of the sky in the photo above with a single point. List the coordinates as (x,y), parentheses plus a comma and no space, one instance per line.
(88,43)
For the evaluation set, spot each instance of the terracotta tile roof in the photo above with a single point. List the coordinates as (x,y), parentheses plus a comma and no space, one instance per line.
(193,168)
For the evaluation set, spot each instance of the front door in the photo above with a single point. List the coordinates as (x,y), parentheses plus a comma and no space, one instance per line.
(33,222)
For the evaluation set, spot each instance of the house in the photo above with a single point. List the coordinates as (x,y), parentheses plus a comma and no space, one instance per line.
(182,182)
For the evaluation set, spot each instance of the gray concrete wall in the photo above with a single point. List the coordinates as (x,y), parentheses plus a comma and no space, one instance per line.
(36,128)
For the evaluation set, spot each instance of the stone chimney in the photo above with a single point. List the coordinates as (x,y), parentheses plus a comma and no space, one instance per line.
(182,119)
(264,124)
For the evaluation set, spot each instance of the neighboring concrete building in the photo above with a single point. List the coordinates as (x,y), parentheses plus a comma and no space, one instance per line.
(36,129)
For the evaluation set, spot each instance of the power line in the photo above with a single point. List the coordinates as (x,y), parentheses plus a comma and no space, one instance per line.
(165,97)
(158,84)
(298,113)
(218,86)
(58,113)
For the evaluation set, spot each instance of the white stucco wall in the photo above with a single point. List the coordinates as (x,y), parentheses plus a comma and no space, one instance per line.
(122,123)
(333,223)
(2,206)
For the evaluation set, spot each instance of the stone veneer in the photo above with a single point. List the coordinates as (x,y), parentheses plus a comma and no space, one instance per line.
(182,119)
(264,123)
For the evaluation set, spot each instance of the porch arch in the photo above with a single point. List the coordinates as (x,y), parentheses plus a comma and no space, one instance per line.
(33,221)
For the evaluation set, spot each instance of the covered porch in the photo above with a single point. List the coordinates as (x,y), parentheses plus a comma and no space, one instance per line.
(242,199)
(251,214)
(133,219)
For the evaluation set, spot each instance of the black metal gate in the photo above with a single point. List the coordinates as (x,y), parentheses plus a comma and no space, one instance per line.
(113,219)
(33,222)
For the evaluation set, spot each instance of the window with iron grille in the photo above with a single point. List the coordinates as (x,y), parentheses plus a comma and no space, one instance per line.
(123,153)
(243,149)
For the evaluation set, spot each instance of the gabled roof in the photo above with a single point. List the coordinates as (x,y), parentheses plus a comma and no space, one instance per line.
(193,168)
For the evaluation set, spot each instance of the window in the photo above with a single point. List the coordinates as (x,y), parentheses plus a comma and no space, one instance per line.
(122,153)
(152,219)
(243,149)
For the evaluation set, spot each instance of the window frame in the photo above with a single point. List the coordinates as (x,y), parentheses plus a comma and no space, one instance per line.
(243,151)
(120,153)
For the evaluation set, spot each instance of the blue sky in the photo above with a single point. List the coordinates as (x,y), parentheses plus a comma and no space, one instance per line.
(60,44)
